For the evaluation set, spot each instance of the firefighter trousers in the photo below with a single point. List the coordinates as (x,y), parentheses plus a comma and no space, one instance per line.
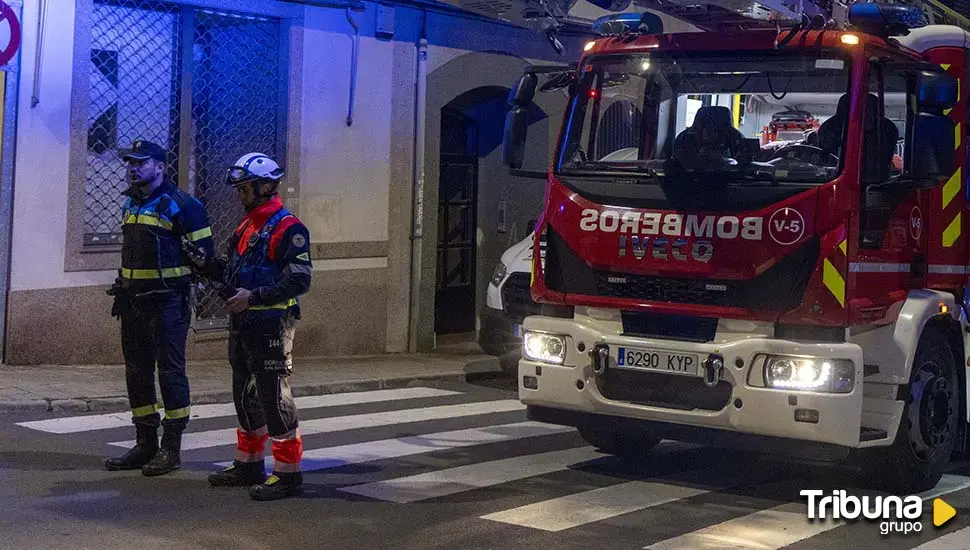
(153,332)
(260,352)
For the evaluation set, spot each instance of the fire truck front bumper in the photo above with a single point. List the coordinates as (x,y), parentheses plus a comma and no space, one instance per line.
(740,384)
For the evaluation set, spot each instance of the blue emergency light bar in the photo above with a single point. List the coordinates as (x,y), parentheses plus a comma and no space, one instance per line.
(628,23)
(886,19)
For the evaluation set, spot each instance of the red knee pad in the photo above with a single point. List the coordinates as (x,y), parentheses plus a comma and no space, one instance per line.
(288,451)
(250,444)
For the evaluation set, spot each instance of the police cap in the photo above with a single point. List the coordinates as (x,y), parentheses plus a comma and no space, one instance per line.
(143,149)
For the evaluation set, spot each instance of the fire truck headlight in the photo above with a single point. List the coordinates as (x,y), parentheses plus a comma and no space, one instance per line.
(544,347)
(821,375)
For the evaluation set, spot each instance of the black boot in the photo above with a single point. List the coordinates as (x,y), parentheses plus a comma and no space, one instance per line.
(146,446)
(278,486)
(167,459)
(239,474)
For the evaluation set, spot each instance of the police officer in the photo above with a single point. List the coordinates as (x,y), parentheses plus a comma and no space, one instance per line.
(152,300)
(267,267)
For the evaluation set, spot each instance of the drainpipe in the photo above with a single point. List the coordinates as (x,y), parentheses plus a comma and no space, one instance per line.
(417,206)
(353,68)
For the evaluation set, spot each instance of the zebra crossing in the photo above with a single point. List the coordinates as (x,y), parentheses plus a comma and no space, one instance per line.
(473,453)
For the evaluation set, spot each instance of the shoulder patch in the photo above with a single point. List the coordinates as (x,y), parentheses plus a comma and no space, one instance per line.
(299,241)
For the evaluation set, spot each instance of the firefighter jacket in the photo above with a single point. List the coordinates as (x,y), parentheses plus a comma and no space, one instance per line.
(153,228)
(269,255)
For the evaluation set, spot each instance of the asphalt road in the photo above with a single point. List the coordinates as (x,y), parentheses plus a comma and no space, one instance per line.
(451,467)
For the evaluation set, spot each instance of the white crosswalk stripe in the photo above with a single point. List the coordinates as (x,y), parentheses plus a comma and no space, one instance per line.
(595,505)
(216,438)
(335,457)
(473,476)
(87,423)
(957,540)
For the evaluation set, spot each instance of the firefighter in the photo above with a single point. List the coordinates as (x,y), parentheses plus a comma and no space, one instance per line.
(152,299)
(267,266)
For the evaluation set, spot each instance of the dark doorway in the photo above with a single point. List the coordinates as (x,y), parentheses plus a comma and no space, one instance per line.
(457,226)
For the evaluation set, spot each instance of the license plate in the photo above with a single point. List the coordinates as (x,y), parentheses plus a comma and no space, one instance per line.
(516,330)
(663,361)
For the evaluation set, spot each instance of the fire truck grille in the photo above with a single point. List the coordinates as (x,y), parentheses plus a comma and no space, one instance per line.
(684,393)
(780,288)
(517,299)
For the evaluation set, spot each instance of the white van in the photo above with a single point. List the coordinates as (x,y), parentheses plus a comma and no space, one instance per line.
(508,301)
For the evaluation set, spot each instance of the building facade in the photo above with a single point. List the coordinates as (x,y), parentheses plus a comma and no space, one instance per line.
(388,119)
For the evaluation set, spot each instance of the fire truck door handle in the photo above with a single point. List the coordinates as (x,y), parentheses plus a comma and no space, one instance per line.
(917,267)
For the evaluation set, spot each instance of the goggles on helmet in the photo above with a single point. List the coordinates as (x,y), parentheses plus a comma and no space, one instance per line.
(237,175)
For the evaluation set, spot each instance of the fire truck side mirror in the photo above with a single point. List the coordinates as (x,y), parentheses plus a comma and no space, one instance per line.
(933,137)
(516,128)
(936,91)
(524,90)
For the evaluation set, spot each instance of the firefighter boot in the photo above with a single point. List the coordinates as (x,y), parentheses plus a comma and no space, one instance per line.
(167,458)
(239,474)
(146,446)
(277,486)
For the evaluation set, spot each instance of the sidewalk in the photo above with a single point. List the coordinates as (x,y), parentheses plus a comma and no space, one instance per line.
(101,388)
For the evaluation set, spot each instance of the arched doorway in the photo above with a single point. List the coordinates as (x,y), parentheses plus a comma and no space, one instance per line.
(457,224)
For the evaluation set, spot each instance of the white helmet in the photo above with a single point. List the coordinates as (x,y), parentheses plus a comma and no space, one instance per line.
(254,166)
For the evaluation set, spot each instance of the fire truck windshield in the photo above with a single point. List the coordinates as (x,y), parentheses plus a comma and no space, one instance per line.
(708,115)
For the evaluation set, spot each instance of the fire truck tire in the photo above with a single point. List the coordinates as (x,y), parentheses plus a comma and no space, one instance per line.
(624,445)
(928,430)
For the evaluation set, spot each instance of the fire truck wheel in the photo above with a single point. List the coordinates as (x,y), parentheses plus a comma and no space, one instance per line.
(621,444)
(928,430)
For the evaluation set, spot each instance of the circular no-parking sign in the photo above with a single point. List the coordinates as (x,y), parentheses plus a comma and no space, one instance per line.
(8,16)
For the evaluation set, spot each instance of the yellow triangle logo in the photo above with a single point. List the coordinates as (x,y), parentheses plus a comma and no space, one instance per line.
(942,512)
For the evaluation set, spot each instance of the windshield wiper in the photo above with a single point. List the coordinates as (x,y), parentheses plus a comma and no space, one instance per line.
(597,169)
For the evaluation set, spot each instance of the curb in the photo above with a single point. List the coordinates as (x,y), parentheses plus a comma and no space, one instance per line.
(120,403)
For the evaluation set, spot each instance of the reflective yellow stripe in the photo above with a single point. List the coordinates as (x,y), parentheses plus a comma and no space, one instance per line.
(177,413)
(290,303)
(842,246)
(952,187)
(149,219)
(166,273)
(957,135)
(833,281)
(200,234)
(144,411)
(952,232)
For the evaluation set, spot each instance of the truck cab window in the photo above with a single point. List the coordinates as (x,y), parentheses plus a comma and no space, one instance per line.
(885,122)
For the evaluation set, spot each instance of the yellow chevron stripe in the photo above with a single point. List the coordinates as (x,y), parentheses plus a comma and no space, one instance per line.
(952,186)
(957,135)
(946,112)
(952,231)
(946,66)
(833,281)
(842,246)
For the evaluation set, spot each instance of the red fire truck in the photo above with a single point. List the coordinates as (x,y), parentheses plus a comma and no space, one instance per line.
(810,301)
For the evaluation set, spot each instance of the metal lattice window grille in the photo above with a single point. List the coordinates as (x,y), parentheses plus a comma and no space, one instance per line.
(206,84)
